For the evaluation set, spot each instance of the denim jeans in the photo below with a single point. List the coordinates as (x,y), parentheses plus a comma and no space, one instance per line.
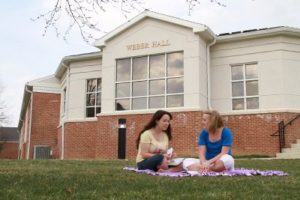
(151,163)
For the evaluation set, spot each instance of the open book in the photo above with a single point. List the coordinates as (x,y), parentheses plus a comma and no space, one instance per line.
(175,161)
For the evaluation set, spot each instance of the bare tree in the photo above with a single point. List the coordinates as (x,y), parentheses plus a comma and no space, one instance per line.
(194,3)
(84,14)
(3,116)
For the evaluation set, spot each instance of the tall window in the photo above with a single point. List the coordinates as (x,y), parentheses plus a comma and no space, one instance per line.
(93,97)
(244,81)
(154,81)
(64,106)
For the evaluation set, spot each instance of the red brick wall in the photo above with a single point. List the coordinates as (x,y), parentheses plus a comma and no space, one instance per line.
(8,150)
(251,133)
(99,139)
(45,120)
(80,140)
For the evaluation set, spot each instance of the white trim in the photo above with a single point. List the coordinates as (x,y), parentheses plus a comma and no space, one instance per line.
(196,27)
(261,111)
(30,123)
(259,33)
(238,112)
(90,119)
(148,111)
(46,90)
(208,73)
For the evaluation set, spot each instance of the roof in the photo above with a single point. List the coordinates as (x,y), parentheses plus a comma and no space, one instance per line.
(73,58)
(9,134)
(196,27)
(256,33)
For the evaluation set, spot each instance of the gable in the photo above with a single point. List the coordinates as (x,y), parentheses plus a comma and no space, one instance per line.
(194,27)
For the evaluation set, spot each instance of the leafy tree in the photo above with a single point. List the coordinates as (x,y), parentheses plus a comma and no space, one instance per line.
(84,14)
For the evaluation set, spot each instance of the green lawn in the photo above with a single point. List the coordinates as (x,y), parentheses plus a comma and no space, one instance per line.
(54,179)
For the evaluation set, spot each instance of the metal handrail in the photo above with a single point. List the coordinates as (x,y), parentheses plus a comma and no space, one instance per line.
(281,132)
(289,123)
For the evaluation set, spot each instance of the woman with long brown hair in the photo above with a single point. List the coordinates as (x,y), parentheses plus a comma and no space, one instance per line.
(153,142)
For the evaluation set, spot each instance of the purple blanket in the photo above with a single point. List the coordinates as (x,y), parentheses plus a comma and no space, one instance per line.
(235,172)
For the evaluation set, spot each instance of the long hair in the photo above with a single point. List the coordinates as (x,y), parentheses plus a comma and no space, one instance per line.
(152,123)
(215,120)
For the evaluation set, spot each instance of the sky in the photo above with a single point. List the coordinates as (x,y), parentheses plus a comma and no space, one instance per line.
(25,54)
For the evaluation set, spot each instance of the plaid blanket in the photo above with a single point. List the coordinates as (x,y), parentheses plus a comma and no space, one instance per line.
(235,172)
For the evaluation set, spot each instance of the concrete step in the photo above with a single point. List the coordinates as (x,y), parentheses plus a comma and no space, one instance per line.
(297,145)
(288,155)
(291,150)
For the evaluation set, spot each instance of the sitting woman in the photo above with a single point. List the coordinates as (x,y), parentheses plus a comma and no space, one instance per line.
(215,142)
(153,143)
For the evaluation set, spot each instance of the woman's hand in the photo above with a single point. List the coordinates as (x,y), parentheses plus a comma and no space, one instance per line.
(204,166)
(168,156)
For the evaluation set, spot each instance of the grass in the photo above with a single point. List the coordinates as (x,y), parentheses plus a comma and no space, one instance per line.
(55,179)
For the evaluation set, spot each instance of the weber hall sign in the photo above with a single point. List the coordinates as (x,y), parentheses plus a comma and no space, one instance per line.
(147,45)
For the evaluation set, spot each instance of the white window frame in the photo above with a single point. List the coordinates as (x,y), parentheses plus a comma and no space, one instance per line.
(148,79)
(64,101)
(94,92)
(244,80)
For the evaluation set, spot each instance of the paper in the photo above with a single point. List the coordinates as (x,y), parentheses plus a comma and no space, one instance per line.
(170,151)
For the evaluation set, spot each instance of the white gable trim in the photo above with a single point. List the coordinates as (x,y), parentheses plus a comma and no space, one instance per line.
(196,27)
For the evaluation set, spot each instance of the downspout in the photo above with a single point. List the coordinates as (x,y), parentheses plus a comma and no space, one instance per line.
(20,140)
(66,113)
(30,122)
(208,73)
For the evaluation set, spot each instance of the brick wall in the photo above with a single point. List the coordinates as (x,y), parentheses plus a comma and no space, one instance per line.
(8,150)
(251,133)
(99,139)
(45,120)
(80,140)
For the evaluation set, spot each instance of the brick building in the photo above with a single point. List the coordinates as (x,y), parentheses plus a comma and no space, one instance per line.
(9,142)
(157,61)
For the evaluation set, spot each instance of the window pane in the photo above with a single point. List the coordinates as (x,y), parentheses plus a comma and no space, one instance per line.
(237,73)
(90,99)
(90,112)
(157,102)
(175,101)
(139,103)
(139,88)
(99,84)
(123,89)
(175,85)
(251,88)
(139,68)
(157,66)
(175,64)
(238,104)
(91,85)
(123,70)
(122,104)
(251,71)
(98,110)
(98,99)
(238,89)
(157,87)
(252,103)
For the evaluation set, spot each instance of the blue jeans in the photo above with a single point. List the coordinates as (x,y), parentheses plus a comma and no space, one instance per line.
(151,163)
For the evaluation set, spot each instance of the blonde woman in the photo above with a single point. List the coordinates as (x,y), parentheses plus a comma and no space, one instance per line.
(215,143)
